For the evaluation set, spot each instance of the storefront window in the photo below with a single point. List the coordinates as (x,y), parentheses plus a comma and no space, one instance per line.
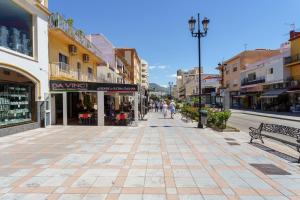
(15,103)
(15,28)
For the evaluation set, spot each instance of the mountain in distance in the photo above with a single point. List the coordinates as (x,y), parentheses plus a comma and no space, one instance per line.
(157,88)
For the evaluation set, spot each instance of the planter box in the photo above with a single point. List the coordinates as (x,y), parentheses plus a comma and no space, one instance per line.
(227,129)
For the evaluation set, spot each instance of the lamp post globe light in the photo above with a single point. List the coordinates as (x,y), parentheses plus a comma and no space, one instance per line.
(199,34)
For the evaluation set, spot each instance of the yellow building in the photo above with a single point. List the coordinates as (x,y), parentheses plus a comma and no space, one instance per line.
(78,95)
(293,61)
(72,57)
(73,62)
(132,58)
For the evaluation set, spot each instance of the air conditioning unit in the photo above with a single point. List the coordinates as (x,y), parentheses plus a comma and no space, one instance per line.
(85,58)
(72,49)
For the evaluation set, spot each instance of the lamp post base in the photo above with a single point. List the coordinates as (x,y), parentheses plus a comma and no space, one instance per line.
(200,125)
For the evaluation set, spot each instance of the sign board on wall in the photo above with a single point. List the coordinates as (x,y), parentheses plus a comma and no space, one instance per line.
(91,86)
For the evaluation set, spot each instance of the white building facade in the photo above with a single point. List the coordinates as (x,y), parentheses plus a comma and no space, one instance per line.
(257,81)
(107,72)
(23,64)
(145,74)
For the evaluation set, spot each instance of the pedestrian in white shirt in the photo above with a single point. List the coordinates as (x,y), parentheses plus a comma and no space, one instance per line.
(165,109)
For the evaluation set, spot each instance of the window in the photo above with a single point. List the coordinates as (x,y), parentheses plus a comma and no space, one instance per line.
(235,82)
(16,28)
(78,70)
(234,69)
(271,71)
(63,62)
(90,73)
(16,101)
(252,77)
(227,71)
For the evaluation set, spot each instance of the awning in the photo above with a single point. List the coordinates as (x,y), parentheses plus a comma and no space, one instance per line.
(293,91)
(273,93)
(240,96)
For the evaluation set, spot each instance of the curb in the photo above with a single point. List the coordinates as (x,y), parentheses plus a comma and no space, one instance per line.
(274,117)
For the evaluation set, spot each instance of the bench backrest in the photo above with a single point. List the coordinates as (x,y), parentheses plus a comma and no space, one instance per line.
(280,129)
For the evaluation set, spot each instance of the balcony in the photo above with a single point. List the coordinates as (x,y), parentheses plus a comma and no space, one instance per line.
(57,21)
(292,59)
(63,71)
(294,83)
(246,81)
(42,2)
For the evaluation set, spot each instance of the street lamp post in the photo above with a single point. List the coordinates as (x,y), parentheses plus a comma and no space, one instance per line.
(171,85)
(198,34)
(222,68)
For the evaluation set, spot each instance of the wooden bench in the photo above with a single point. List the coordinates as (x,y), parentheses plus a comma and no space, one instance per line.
(290,132)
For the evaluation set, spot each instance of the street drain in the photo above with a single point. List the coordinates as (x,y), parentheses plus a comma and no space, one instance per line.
(229,139)
(270,169)
(233,143)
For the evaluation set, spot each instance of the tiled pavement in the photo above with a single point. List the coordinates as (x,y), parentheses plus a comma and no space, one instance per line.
(160,159)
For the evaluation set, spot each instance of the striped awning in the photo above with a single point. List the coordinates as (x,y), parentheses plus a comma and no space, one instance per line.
(273,93)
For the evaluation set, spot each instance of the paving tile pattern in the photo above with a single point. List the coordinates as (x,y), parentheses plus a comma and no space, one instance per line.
(161,159)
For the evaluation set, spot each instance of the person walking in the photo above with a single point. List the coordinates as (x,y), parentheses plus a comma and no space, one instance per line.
(156,106)
(165,109)
(172,108)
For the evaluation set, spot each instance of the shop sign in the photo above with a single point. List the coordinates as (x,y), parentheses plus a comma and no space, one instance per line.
(86,86)
(65,85)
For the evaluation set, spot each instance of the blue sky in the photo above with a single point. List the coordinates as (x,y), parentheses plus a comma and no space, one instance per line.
(158,29)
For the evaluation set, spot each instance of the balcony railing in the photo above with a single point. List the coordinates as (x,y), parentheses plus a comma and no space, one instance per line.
(58,21)
(245,81)
(42,2)
(292,59)
(66,72)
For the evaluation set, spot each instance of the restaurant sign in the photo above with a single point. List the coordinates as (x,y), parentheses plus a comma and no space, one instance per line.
(89,86)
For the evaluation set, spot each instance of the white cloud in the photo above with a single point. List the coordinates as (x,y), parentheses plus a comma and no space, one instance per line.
(152,67)
(172,76)
(158,66)
(164,86)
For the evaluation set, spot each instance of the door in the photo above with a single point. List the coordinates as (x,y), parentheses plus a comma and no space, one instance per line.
(57,109)
(47,110)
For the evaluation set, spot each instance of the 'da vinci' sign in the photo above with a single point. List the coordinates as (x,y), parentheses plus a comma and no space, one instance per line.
(89,86)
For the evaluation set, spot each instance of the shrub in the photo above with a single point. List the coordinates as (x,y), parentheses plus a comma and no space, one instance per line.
(214,116)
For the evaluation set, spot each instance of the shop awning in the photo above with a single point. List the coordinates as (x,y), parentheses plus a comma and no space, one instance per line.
(273,93)
(293,91)
(240,96)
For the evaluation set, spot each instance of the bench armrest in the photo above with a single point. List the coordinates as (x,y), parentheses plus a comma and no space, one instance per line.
(252,129)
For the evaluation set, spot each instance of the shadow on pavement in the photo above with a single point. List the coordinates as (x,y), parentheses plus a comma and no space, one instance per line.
(166,126)
(275,152)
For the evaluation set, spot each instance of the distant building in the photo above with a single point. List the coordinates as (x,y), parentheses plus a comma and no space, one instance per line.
(107,72)
(187,85)
(131,57)
(145,74)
